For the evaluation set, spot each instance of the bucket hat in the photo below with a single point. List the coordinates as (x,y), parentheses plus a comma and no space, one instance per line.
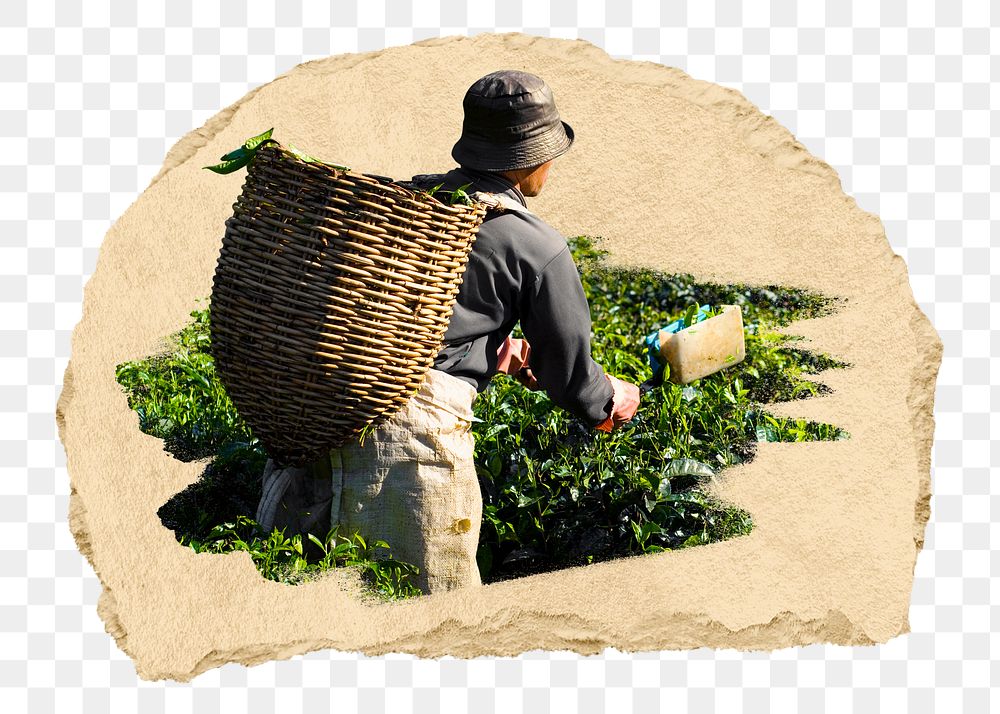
(511,122)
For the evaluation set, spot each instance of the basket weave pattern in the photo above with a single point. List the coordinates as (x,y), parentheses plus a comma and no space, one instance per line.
(330,300)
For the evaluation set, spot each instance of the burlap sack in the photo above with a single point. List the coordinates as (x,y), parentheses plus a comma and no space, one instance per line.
(412,484)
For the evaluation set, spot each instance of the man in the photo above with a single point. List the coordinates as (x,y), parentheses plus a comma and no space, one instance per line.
(520,268)
(413,483)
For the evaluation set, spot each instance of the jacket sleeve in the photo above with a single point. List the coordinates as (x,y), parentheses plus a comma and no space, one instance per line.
(555,320)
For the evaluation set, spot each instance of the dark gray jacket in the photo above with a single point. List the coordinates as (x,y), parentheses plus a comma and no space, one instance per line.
(521,269)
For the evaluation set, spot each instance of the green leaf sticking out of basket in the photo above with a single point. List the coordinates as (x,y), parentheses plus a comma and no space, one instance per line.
(238,158)
(252,143)
(460,196)
(452,197)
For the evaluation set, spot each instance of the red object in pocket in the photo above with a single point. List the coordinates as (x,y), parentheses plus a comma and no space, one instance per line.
(512,355)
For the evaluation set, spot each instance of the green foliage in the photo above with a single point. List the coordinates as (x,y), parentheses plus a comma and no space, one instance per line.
(240,157)
(555,493)
(179,398)
(451,197)
(229,487)
(288,560)
(460,196)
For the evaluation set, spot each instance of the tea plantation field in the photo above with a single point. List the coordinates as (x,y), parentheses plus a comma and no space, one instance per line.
(555,493)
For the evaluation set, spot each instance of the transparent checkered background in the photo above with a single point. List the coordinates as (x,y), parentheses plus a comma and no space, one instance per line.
(898,100)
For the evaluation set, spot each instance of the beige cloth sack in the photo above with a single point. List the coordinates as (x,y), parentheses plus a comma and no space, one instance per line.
(412,484)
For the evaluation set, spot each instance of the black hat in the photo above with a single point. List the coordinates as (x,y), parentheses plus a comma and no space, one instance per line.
(511,122)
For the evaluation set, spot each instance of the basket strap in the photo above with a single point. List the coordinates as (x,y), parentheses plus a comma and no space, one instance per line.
(498,202)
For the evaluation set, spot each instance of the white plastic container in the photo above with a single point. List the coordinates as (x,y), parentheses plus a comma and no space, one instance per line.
(705,347)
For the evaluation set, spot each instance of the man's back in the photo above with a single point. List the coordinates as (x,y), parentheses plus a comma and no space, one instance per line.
(520,269)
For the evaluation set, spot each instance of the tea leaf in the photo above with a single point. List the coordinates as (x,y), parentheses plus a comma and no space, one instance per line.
(228,167)
(253,142)
(240,152)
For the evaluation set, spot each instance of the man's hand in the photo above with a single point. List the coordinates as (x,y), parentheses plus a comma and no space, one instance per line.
(527,379)
(624,404)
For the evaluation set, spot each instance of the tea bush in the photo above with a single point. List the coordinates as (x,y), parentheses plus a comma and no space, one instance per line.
(179,398)
(555,493)
(286,559)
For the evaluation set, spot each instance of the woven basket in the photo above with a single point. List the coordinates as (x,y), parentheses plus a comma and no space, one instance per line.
(331,297)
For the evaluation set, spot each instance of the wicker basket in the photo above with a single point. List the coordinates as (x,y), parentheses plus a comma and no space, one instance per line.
(331,297)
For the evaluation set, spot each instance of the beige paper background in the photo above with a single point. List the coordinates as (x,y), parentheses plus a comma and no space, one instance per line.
(676,174)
